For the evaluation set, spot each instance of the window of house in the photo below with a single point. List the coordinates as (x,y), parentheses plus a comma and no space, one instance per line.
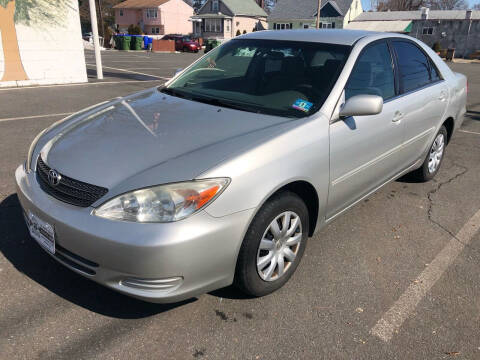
(121,12)
(282,26)
(227,25)
(215,6)
(327,25)
(372,74)
(428,31)
(156,30)
(213,25)
(306,26)
(152,13)
(413,65)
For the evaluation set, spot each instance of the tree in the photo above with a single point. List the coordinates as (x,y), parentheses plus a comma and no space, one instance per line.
(107,13)
(270,5)
(400,5)
(197,4)
(447,4)
(28,12)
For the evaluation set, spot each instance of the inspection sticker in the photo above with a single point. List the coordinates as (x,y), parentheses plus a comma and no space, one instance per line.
(302,105)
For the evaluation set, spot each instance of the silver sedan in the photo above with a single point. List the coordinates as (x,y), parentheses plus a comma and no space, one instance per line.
(222,175)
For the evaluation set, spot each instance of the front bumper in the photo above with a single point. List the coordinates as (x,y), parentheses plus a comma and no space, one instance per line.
(154,262)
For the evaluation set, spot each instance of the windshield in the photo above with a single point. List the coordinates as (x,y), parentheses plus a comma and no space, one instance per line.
(283,78)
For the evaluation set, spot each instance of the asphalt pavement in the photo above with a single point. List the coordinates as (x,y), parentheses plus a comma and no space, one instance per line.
(405,261)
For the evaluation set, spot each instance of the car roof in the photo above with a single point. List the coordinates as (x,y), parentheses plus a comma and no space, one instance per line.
(328,36)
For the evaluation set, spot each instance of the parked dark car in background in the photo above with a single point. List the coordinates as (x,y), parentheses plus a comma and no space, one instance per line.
(184,43)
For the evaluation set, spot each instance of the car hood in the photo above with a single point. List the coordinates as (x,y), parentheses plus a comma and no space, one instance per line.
(153,138)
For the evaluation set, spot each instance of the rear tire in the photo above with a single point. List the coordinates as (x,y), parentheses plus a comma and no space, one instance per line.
(271,253)
(434,159)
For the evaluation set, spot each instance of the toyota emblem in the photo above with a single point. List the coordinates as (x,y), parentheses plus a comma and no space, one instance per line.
(54,177)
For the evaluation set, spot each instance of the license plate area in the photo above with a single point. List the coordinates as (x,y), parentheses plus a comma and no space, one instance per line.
(41,231)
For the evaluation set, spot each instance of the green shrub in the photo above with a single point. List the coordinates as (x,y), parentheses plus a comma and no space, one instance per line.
(238,33)
(134,30)
(436,47)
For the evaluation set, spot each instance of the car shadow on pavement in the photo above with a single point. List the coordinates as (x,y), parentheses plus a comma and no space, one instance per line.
(473,115)
(28,257)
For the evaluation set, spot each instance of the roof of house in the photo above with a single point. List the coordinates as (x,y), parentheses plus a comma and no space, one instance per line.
(243,7)
(304,9)
(415,15)
(398,26)
(140,4)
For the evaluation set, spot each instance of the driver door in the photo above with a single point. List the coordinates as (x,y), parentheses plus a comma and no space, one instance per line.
(365,150)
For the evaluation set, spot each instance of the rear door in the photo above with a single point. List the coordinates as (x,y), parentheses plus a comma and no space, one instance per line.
(424,95)
(365,150)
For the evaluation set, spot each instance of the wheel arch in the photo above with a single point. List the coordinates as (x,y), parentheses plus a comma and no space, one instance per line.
(449,124)
(307,192)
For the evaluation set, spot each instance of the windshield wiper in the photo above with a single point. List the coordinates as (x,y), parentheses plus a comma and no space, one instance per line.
(222,103)
(172,92)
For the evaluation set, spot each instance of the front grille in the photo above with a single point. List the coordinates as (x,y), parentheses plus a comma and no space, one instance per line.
(71,191)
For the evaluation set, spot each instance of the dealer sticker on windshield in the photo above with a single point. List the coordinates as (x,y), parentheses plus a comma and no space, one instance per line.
(302,105)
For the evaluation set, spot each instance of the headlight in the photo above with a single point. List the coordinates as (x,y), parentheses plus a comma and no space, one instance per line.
(164,203)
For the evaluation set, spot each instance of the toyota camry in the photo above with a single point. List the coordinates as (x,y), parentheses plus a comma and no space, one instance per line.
(221,176)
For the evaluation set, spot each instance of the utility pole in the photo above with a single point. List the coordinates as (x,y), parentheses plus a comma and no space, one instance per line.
(318,13)
(96,43)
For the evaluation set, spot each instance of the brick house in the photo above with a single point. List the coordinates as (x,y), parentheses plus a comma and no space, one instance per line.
(457,29)
(156,17)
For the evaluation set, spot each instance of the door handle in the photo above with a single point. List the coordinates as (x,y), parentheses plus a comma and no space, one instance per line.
(443,96)
(397,117)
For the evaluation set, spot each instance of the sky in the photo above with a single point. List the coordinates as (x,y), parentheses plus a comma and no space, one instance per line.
(366,3)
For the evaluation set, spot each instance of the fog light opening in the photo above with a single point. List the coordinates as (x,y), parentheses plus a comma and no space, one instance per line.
(167,284)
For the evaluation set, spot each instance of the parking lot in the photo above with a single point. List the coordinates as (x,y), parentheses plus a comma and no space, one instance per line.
(396,277)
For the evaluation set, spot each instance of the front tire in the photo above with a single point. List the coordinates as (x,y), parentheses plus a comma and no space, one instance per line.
(273,245)
(434,158)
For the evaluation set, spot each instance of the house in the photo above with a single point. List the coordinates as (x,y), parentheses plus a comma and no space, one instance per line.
(458,29)
(302,14)
(224,19)
(155,17)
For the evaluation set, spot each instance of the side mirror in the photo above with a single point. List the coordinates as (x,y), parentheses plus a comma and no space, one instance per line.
(362,105)
(178,71)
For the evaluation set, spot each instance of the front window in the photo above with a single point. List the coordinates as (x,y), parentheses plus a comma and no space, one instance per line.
(373,73)
(215,5)
(283,78)
(213,25)
(152,13)
(282,26)
(327,25)
(121,12)
(427,31)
